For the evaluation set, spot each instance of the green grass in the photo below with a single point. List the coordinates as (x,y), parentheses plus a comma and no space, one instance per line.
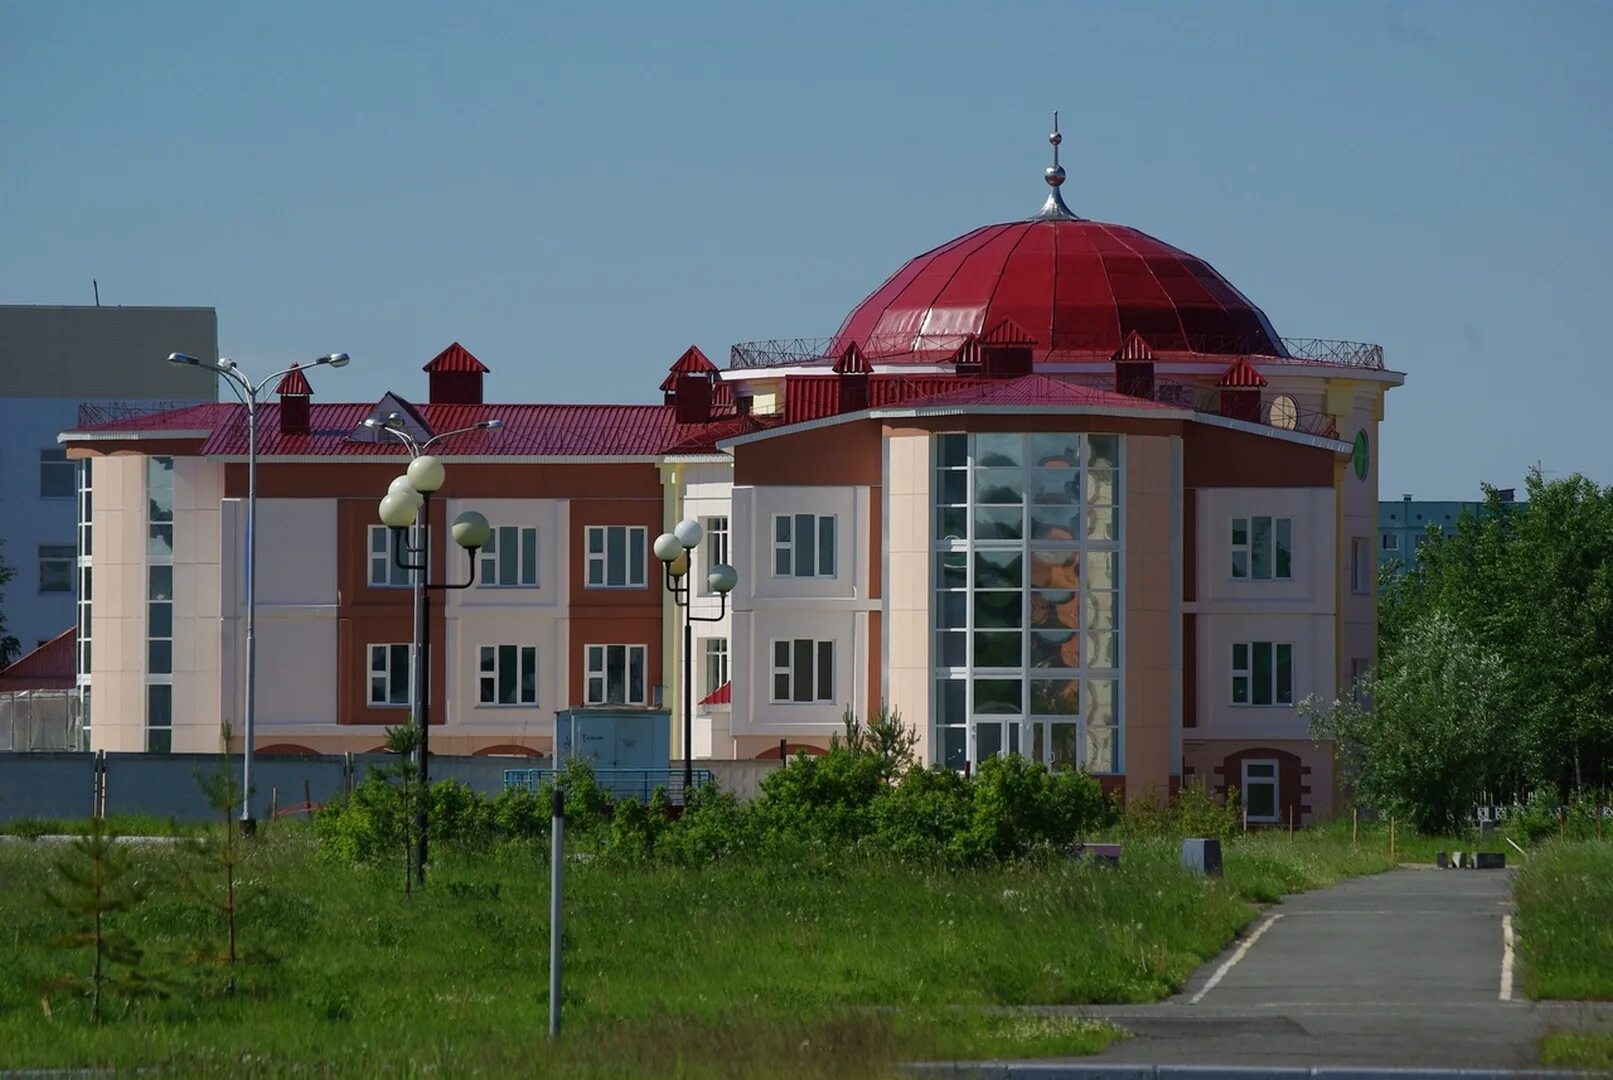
(837,967)
(1577,1051)
(122,824)
(1564,892)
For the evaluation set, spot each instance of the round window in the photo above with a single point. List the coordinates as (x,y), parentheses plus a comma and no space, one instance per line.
(1283,413)
(1360,457)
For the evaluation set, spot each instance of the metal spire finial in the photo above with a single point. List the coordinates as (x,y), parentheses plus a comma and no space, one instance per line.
(1054,208)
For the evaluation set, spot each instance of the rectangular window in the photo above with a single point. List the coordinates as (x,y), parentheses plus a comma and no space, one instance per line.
(803,545)
(716,545)
(803,670)
(159,718)
(160,620)
(385,573)
(56,563)
(510,558)
(1360,567)
(1262,549)
(1262,673)
(617,674)
(617,556)
(160,507)
(508,675)
(389,676)
(716,650)
(1260,800)
(57,475)
(1391,541)
(85,508)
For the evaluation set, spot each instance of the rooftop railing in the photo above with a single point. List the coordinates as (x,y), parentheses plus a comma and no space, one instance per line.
(936,348)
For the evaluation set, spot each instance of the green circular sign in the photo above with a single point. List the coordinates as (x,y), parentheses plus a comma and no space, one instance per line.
(1360,457)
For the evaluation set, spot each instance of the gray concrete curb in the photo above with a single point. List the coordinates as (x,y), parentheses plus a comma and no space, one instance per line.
(1070,1070)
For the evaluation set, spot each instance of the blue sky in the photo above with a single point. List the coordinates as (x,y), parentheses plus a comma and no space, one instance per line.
(577,191)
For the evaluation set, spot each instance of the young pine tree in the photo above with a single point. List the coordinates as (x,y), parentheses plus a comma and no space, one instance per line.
(97,882)
(404,741)
(219,854)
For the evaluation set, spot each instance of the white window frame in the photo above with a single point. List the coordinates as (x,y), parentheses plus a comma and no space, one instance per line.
(820,654)
(385,671)
(597,669)
(398,577)
(1247,548)
(489,666)
(633,569)
(1390,542)
(714,663)
(493,554)
(1247,674)
(1275,783)
(787,560)
(66,564)
(716,548)
(53,461)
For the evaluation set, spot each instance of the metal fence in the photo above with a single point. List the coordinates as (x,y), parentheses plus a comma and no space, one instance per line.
(67,785)
(34,720)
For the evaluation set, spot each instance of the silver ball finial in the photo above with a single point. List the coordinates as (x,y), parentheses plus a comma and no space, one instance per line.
(1054,209)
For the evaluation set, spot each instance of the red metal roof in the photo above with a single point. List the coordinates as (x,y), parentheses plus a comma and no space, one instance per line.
(692,362)
(811,397)
(294,383)
(1036,390)
(529,430)
(1077,287)
(1007,332)
(1241,374)
(455,358)
(52,666)
(723,695)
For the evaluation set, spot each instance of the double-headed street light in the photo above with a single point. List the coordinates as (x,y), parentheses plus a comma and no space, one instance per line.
(676,552)
(248,392)
(407,502)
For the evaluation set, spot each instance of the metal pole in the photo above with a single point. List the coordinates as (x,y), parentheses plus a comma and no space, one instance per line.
(248,825)
(557,863)
(422,637)
(688,695)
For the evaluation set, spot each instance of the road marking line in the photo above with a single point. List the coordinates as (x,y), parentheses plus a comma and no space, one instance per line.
(1506,957)
(1243,949)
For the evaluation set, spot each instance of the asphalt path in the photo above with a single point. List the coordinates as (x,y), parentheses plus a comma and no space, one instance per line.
(1411,968)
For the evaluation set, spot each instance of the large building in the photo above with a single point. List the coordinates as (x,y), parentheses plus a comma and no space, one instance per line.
(1403,525)
(55,361)
(1055,488)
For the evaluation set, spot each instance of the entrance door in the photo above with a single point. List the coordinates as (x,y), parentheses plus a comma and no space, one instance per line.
(1260,799)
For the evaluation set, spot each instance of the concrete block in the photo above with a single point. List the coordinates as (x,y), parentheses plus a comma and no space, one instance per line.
(1201,856)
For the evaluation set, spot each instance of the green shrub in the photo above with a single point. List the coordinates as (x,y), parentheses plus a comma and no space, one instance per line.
(458,815)
(363,825)
(824,799)
(519,814)
(921,815)
(1019,805)
(636,828)
(1193,811)
(713,824)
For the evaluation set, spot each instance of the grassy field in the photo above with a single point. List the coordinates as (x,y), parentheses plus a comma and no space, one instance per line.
(1564,892)
(820,966)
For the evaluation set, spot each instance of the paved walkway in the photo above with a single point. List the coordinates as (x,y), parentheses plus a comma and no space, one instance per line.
(1408,968)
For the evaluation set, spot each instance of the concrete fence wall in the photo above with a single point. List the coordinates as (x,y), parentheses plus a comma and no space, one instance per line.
(68,785)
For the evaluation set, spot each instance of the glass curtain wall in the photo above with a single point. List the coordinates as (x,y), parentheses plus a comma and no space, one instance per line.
(1027,559)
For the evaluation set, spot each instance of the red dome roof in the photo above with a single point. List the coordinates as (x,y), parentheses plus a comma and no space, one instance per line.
(1079,287)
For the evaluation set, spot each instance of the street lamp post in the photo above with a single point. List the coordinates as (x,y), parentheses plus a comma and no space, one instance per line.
(408,502)
(248,392)
(676,551)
